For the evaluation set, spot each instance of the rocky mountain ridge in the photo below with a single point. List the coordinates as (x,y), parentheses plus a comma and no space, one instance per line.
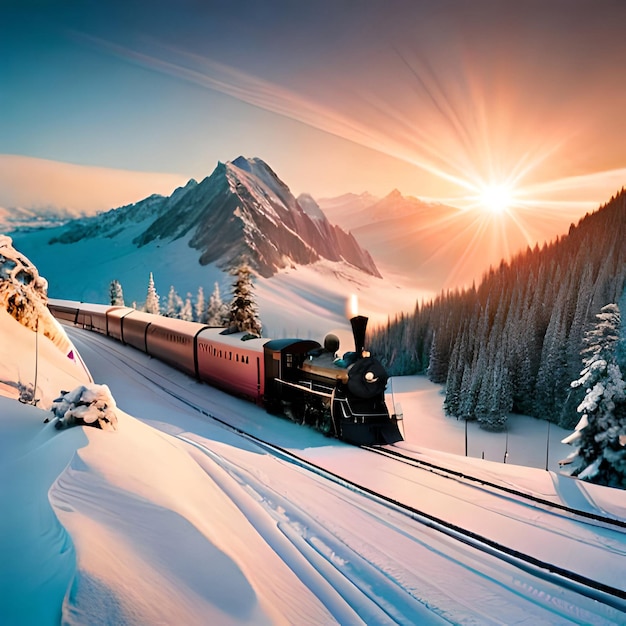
(241,209)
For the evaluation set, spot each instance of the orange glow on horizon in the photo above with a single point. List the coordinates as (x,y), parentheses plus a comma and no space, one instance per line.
(77,188)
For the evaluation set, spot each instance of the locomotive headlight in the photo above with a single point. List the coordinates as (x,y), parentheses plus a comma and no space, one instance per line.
(370,377)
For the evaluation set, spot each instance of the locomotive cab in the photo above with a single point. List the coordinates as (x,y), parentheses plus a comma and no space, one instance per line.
(283,359)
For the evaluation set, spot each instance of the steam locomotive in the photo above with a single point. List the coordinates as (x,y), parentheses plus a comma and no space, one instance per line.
(298,378)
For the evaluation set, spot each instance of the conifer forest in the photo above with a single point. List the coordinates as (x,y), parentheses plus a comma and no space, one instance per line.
(513,343)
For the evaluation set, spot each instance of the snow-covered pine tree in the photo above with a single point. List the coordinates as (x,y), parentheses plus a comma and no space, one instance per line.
(600,435)
(453,383)
(620,351)
(495,396)
(152,297)
(200,307)
(437,367)
(116,295)
(217,311)
(243,310)
(186,312)
(174,303)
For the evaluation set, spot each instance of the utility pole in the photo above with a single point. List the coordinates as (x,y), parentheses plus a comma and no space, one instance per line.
(506,446)
(35,400)
(466,437)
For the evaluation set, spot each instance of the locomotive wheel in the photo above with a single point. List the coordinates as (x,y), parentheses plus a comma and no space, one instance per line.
(293,412)
(325,424)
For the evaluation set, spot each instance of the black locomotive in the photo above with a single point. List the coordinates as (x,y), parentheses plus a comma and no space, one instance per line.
(341,397)
(301,379)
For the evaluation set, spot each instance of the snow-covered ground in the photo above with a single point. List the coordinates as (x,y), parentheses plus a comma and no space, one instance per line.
(172,519)
(168,517)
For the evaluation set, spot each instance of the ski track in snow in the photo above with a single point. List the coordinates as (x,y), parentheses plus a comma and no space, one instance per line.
(308,543)
(398,577)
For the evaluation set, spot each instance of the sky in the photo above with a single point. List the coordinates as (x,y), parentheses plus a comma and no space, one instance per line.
(490,105)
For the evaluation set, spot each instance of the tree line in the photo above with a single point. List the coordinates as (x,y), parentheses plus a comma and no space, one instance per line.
(513,344)
(241,313)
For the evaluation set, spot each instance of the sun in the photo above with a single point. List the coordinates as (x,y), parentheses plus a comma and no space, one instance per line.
(496,199)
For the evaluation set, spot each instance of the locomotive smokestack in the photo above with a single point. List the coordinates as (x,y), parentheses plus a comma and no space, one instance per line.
(359,326)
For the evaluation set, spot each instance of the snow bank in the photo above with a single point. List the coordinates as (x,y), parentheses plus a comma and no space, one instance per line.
(23,292)
(32,368)
(33,337)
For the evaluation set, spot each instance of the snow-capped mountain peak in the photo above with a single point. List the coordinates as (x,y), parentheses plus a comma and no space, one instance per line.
(242,209)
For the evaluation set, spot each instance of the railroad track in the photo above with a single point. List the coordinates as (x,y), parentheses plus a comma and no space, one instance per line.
(596,590)
(481,483)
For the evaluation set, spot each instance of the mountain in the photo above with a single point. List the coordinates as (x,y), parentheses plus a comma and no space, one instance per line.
(441,246)
(404,233)
(241,209)
(349,209)
(354,212)
(22,218)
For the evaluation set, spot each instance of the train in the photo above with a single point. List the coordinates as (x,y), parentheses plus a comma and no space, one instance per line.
(300,379)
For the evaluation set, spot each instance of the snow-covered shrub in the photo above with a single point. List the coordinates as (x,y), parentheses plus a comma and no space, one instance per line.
(27,393)
(89,405)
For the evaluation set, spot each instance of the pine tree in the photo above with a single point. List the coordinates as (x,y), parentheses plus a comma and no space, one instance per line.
(200,307)
(116,296)
(600,436)
(186,312)
(152,298)
(174,303)
(243,309)
(498,399)
(620,350)
(217,311)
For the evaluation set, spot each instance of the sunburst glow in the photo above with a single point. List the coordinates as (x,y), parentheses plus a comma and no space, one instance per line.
(456,130)
(497,198)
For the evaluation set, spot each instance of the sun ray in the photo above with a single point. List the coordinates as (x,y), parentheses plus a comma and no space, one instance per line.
(486,166)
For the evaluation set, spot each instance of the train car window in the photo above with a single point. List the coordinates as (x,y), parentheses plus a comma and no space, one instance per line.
(230,355)
(289,359)
(246,359)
